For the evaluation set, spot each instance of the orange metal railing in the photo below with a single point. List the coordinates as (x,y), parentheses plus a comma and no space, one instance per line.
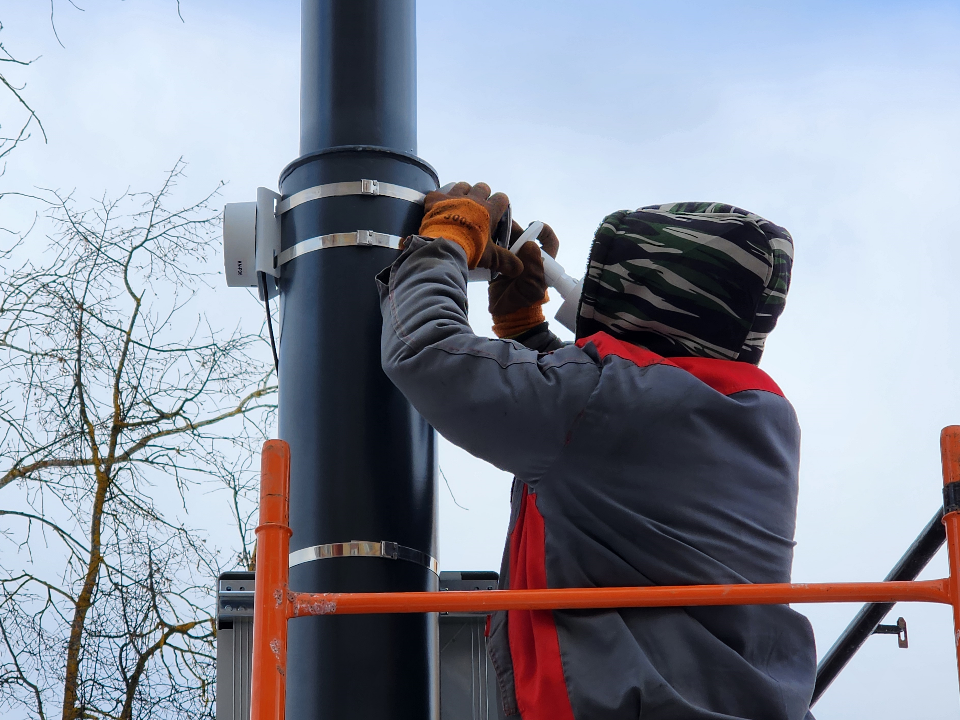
(275,604)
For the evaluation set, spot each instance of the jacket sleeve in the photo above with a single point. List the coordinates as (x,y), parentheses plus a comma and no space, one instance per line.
(502,402)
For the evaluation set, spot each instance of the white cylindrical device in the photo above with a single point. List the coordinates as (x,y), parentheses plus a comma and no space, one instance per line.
(556,277)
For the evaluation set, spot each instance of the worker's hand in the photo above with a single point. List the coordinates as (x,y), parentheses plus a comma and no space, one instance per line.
(468,215)
(516,303)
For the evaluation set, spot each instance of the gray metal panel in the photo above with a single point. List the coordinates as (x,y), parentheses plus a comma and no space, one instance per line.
(234,645)
(468,683)
(234,668)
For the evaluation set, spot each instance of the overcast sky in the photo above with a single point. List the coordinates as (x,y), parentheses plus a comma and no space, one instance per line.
(836,120)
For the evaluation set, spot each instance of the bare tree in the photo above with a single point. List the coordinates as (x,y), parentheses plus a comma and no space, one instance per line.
(28,117)
(9,142)
(123,413)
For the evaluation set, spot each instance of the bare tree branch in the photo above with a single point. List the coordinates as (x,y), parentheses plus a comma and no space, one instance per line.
(123,411)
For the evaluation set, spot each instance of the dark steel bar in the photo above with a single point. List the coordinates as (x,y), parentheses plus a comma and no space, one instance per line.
(363,462)
(872,614)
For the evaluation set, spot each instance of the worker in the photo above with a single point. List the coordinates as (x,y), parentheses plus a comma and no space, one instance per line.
(652,451)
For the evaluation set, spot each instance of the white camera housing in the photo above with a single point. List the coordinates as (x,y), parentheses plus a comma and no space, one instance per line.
(240,244)
(251,242)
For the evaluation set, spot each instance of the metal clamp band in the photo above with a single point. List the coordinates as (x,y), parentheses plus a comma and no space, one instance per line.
(364,548)
(353,187)
(322,242)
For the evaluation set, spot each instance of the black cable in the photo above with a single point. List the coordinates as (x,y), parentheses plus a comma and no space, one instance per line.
(450,490)
(273,342)
(262,282)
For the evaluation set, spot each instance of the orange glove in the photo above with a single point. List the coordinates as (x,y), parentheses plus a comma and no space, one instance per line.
(516,304)
(468,216)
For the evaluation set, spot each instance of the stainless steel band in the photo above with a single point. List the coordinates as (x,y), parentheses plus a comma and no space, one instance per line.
(353,187)
(364,548)
(322,242)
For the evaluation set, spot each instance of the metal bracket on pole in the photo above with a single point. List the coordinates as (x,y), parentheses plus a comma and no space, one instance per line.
(267,242)
(365,548)
(353,187)
(268,232)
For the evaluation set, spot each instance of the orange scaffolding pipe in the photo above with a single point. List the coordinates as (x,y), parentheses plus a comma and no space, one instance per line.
(487,601)
(275,603)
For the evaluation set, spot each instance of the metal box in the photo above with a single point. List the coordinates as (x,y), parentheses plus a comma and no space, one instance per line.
(468,684)
(234,645)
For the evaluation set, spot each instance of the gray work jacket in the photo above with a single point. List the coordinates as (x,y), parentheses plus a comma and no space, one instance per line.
(631,470)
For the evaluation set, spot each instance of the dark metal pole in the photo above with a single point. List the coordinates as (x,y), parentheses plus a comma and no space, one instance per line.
(363,462)
(358,75)
(862,626)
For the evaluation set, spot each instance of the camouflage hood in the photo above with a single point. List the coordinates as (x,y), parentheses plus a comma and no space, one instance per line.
(687,279)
